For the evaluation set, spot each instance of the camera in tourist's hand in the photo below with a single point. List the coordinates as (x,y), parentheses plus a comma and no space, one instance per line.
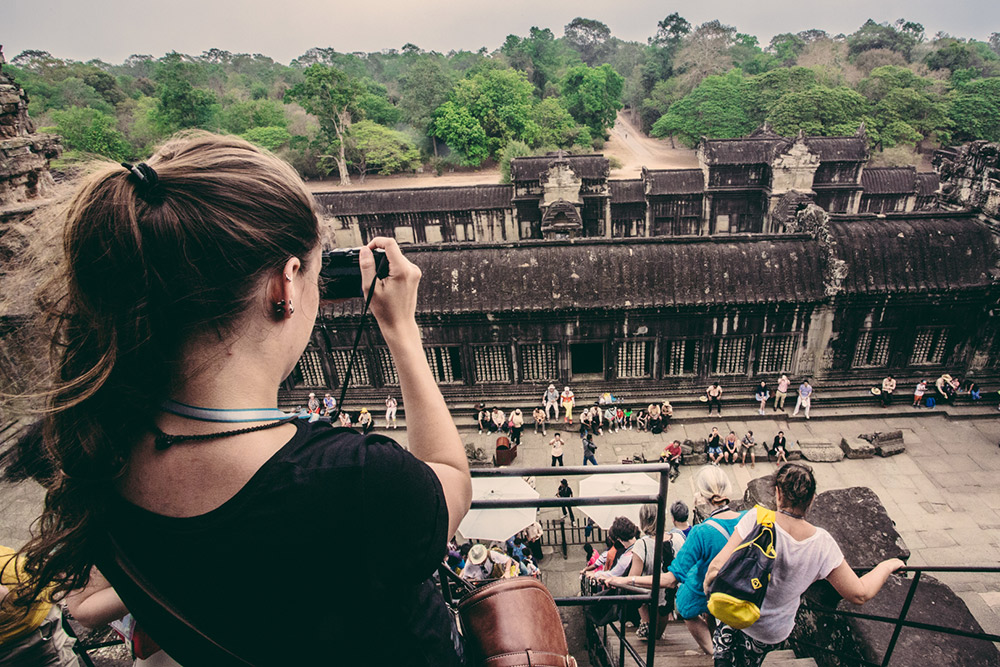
(341,272)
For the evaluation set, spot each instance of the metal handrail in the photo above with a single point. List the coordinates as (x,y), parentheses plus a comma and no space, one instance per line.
(661,469)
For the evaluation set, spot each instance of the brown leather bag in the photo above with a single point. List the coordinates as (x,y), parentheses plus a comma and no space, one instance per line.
(513,623)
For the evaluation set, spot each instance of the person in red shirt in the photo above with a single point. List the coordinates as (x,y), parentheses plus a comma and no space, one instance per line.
(672,454)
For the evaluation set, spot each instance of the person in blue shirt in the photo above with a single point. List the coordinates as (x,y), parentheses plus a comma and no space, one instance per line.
(805,398)
(687,571)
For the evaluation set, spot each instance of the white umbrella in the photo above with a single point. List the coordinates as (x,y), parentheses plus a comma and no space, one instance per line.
(498,524)
(618,484)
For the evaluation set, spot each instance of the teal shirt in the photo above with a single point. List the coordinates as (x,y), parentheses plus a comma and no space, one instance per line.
(703,543)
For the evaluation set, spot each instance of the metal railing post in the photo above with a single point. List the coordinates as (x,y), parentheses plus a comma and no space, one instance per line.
(621,636)
(654,605)
(562,529)
(902,617)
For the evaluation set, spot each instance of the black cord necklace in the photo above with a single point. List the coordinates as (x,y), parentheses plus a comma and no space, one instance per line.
(794,516)
(165,440)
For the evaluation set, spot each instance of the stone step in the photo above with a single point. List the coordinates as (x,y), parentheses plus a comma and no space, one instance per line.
(787,659)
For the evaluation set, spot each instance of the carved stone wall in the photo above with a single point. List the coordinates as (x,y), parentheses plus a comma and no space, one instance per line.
(970,176)
(24,154)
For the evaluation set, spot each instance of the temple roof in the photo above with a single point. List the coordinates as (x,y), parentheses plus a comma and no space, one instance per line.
(592,166)
(748,150)
(928,183)
(674,181)
(889,180)
(415,200)
(610,274)
(839,149)
(627,191)
(914,253)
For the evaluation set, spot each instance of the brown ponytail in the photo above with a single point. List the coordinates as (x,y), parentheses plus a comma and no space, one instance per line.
(797,485)
(147,271)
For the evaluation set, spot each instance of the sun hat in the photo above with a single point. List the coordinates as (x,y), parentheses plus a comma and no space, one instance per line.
(477,554)
(364,409)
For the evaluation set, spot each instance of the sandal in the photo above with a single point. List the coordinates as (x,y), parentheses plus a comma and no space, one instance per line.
(642,632)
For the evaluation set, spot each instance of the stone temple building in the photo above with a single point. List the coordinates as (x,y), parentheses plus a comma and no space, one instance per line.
(779,254)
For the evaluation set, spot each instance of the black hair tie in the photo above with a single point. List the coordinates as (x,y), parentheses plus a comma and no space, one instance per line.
(143,176)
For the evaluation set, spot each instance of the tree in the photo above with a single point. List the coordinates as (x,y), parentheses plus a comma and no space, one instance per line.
(715,109)
(762,92)
(240,117)
(819,112)
(670,31)
(513,150)
(374,147)
(873,35)
(538,55)
(593,95)
(180,104)
(786,47)
(705,52)
(975,110)
(499,101)
(91,131)
(556,126)
(331,96)
(375,105)
(272,138)
(588,38)
(456,126)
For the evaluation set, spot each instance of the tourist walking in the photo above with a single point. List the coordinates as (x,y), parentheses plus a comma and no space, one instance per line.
(703,543)
(763,393)
(556,449)
(888,387)
(589,449)
(714,393)
(804,400)
(564,491)
(567,399)
(550,399)
(804,554)
(390,412)
(781,392)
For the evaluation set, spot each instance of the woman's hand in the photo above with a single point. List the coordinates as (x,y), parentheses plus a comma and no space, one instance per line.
(394,304)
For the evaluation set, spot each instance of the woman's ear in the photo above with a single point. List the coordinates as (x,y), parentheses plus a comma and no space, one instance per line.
(281,288)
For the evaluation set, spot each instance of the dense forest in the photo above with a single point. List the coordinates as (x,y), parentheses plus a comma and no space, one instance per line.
(399,110)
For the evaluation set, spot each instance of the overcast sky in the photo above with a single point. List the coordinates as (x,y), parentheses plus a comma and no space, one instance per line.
(283,29)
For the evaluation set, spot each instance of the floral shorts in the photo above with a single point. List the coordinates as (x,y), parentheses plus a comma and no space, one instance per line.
(733,648)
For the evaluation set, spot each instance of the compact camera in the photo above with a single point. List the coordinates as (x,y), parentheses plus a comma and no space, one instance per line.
(341,272)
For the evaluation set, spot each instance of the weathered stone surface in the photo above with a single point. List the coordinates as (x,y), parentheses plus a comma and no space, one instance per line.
(687,448)
(792,451)
(695,459)
(24,155)
(820,450)
(857,520)
(858,639)
(760,491)
(856,448)
(890,448)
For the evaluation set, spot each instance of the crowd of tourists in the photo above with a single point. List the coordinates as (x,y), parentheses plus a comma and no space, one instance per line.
(517,557)
(693,557)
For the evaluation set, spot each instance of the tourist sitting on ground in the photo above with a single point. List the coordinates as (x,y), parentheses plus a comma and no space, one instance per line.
(329,403)
(973,389)
(586,423)
(731,448)
(805,553)
(484,418)
(598,561)
(641,421)
(488,564)
(611,418)
(365,421)
(312,407)
(345,419)
(761,396)
(538,415)
(533,538)
(516,426)
(191,285)
(704,541)
(918,393)
(747,445)
(780,447)
(943,390)
(887,390)
(666,414)
(629,419)
(619,418)
(655,413)
(672,454)
(624,534)
(713,447)
(498,420)
(550,399)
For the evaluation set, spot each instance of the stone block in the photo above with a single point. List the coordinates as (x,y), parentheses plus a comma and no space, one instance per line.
(792,451)
(855,640)
(760,491)
(687,448)
(694,459)
(819,450)
(889,448)
(856,518)
(856,448)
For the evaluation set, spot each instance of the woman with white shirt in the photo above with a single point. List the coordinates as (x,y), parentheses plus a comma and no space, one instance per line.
(805,553)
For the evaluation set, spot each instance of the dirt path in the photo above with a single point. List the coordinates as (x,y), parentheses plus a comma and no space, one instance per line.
(636,150)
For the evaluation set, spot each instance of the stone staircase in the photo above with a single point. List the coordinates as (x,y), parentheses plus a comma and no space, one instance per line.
(677,648)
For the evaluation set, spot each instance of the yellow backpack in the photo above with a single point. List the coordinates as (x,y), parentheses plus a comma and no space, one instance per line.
(739,589)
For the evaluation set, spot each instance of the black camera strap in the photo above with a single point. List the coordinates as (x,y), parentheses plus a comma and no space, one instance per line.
(354,351)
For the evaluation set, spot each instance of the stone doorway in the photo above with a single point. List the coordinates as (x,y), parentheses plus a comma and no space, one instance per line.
(587,361)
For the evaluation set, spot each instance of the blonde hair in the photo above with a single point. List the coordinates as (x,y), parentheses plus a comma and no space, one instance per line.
(712,485)
(647,519)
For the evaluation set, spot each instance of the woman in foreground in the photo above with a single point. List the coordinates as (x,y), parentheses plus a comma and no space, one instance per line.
(189,292)
(805,553)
